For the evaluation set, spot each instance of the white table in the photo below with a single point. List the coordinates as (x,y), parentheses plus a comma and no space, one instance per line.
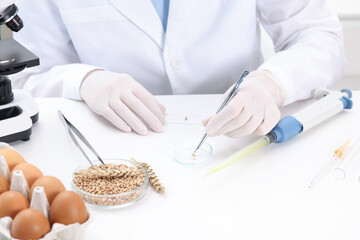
(264,196)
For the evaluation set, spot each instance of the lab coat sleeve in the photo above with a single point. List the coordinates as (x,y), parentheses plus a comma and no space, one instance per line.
(308,42)
(60,72)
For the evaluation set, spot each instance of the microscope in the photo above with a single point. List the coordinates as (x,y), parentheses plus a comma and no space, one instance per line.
(18,110)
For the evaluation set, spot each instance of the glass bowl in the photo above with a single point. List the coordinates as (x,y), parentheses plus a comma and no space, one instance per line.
(112,201)
(182,152)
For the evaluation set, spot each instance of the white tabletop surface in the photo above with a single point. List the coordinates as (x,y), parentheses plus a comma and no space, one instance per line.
(263,196)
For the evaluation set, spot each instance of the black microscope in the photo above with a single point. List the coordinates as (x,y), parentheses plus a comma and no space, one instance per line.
(18,110)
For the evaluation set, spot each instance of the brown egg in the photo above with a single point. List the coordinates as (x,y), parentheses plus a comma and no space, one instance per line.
(30,224)
(30,172)
(68,208)
(52,187)
(4,184)
(12,202)
(12,157)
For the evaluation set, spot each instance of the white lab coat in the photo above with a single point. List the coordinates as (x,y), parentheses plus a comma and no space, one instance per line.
(207,44)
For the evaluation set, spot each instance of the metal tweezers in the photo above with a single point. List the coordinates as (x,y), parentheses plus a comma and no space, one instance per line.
(73,130)
(229,97)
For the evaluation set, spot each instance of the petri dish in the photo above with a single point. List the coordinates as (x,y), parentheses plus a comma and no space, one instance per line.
(113,201)
(182,152)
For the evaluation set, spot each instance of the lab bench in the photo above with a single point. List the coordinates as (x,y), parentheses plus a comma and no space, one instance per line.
(263,196)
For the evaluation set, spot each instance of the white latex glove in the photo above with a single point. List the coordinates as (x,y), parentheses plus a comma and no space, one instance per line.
(122,101)
(254,109)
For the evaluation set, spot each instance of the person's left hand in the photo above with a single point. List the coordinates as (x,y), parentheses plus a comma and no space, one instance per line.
(254,109)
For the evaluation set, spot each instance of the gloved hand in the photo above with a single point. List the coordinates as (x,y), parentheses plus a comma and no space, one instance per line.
(254,109)
(122,101)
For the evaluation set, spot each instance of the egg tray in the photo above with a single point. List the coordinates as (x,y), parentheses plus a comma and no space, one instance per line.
(58,231)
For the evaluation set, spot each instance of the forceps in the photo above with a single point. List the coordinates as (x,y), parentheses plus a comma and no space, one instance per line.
(72,129)
(229,97)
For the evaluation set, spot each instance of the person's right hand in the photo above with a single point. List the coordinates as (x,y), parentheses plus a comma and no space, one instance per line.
(122,101)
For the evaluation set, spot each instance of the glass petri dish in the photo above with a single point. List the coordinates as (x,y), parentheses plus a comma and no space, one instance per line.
(182,153)
(112,201)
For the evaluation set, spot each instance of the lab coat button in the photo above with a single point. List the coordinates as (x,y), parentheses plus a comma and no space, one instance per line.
(176,63)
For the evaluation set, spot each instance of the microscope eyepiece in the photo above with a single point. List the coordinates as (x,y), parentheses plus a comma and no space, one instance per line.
(11,19)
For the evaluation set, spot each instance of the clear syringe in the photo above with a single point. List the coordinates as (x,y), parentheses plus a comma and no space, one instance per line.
(341,168)
(334,160)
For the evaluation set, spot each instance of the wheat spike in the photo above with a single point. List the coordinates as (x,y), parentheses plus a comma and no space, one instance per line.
(153,179)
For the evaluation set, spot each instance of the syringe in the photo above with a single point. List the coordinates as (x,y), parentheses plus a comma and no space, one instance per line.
(342,167)
(334,160)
